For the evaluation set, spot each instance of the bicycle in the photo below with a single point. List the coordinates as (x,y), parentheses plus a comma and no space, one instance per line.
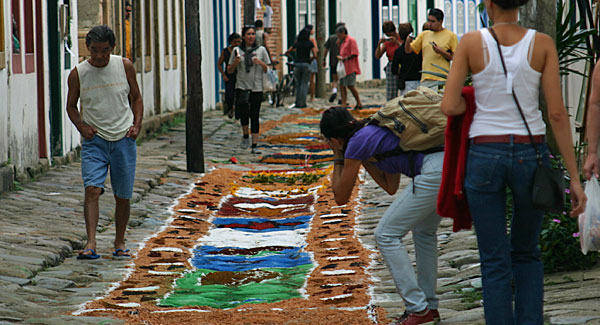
(287,85)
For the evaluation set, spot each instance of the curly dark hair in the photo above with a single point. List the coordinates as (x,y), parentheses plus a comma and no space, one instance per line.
(404,30)
(99,34)
(510,4)
(437,13)
(337,122)
(388,27)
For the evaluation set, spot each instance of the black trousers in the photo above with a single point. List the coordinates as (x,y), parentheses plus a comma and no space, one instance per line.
(229,93)
(249,113)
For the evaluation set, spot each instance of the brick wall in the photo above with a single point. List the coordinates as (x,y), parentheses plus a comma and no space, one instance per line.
(275,37)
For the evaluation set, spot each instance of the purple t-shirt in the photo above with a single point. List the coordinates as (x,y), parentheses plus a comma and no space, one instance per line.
(371,140)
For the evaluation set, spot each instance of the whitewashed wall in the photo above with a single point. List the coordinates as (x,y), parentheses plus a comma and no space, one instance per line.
(4,102)
(71,137)
(22,106)
(358,22)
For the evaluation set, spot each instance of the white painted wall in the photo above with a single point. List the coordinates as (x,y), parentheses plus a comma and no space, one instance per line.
(4,100)
(22,107)
(170,96)
(209,69)
(71,137)
(358,22)
(22,111)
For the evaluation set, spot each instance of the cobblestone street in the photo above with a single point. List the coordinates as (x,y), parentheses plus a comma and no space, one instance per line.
(42,228)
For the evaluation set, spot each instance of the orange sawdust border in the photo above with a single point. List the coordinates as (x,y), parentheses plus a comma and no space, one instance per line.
(325,234)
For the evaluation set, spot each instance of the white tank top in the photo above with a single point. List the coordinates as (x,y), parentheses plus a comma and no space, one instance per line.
(104,99)
(497,112)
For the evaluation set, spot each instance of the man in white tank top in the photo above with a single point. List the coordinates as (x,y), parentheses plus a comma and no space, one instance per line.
(105,85)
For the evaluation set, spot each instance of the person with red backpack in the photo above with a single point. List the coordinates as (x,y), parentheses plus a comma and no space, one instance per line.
(360,143)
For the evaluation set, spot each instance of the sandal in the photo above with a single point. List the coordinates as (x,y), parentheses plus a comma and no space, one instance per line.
(91,256)
(121,253)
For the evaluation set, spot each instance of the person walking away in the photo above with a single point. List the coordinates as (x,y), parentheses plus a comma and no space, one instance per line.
(592,164)
(406,67)
(250,61)
(105,85)
(314,66)
(437,45)
(332,48)
(234,40)
(304,47)
(261,37)
(354,144)
(268,16)
(501,155)
(388,45)
(348,55)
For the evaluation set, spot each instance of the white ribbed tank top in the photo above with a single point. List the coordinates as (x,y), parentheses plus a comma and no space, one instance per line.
(497,112)
(104,99)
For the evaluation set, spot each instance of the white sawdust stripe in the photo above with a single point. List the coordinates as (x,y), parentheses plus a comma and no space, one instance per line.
(226,237)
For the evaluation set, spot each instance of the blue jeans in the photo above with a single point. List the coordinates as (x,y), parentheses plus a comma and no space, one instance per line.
(507,259)
(97,155)
(410,85)
(302,77)
(414,211)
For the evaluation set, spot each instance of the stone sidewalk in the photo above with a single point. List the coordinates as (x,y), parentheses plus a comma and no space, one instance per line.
(42,228)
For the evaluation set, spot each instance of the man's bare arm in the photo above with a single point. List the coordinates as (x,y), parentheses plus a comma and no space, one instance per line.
(137,104)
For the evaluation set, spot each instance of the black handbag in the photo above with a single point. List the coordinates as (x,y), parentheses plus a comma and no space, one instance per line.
(243,97)
(548,190)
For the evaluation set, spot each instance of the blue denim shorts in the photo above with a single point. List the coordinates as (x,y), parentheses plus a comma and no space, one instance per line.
(97,155)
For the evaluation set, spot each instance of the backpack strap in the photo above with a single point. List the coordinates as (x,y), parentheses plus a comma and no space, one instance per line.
(398,151)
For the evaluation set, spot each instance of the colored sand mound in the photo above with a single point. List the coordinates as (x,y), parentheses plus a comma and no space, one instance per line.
(287,258)
(190,291)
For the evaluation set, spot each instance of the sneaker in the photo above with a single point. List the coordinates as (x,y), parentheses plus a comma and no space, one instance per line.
(332,97)
(402,318)
(255,151)
(436,316)
(425,317)
(245,143)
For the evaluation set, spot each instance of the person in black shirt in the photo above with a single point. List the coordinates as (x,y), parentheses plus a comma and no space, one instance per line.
(234,40)
(333,49)
(406,66)
(303,47)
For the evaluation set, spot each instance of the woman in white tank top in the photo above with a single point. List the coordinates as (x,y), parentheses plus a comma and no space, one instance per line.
(501,155)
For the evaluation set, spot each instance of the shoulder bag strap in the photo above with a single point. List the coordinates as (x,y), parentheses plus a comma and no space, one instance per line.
(537,152)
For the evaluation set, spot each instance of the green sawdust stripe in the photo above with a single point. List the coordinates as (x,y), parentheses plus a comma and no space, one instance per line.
(188,292)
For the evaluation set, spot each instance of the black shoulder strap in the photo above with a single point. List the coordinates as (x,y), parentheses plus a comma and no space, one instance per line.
(398,151)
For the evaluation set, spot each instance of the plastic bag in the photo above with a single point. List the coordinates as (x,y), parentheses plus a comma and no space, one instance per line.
(589,220)
(340,69)
(269,81)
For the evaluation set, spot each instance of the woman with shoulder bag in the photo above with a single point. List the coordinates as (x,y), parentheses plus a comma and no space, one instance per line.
(252,61)
(304,47)
(507,138)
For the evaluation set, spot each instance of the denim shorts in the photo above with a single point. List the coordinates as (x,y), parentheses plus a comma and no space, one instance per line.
(98,155)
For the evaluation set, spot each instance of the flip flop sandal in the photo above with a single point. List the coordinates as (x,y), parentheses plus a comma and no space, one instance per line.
(91,256)
(121,253)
